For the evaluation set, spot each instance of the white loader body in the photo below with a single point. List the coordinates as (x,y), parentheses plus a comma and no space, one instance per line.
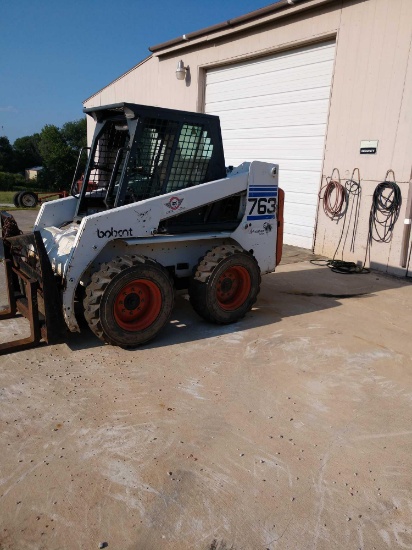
(77,250)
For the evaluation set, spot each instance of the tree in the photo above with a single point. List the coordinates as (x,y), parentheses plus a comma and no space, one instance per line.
(59,159)
(6,155)
(55,149)
(59,149)
(26,152)
(75,134)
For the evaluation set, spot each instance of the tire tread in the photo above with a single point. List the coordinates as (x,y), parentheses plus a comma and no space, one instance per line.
(100,280)
(198,290)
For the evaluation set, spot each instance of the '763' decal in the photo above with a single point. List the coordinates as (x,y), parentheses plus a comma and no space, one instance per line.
(262,202)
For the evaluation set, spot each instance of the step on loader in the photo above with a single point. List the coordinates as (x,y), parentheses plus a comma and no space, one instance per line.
(152,209)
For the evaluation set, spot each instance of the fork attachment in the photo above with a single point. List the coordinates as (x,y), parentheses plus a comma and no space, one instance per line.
(32,288)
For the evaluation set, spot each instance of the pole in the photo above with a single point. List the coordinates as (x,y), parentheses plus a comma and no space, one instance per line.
(407,228)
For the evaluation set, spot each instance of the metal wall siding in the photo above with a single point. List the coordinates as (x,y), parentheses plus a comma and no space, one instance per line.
(275,109)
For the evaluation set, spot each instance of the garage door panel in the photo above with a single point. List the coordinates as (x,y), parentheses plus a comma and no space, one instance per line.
(309,78)
(275,109)
(299,182)
(282,120)
(300,214)
(277,115)
(281,156)
(288,60)
(300,198)
(282,132)
(303,241)
(268,100)
(297,228)
(309,146)
(285,165)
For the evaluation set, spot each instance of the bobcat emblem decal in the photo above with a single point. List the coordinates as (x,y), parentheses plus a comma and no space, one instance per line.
(174,203)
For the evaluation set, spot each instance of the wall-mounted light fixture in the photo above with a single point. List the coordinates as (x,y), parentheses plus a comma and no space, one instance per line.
(181,70)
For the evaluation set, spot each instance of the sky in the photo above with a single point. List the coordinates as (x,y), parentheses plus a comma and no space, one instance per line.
(55,54)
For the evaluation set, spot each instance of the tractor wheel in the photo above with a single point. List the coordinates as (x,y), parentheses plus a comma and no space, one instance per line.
(128,301)
(16,199)
(225,284)
(27,199)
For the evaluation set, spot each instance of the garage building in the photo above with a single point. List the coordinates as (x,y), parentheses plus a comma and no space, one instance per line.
(322,87)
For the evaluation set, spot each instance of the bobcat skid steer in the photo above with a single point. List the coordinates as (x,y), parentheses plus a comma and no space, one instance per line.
(152,209)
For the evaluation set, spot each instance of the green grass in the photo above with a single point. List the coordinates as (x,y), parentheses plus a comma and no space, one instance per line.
(7,197)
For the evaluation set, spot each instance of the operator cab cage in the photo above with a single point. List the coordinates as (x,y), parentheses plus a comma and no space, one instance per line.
(139,152)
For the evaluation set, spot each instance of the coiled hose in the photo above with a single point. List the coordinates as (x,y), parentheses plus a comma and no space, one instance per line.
(384,213)
(333,188)
(386,205)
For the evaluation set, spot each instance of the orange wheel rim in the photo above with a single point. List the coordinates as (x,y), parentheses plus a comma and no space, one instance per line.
(233,288)
(137,305)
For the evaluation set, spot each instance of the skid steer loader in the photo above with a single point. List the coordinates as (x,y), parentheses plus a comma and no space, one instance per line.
(152,209)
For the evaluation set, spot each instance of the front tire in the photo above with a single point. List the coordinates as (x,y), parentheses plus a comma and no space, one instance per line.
(225,285)
(128,301)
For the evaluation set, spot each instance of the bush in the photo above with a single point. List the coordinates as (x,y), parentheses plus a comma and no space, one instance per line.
(9,181)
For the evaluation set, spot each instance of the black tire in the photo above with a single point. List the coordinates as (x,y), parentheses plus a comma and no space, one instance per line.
(225,285)
(128,301)
(16,199)
(27,199)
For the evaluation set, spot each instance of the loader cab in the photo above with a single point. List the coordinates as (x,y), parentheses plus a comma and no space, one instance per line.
(139,152)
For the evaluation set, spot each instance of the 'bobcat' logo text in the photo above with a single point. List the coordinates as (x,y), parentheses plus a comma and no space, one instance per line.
(114,233)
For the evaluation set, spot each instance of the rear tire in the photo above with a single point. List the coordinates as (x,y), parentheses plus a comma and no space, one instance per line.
(27,199)
(128,301)
(225,285)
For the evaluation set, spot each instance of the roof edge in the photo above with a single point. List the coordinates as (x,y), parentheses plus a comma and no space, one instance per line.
(118,78)
(282,4)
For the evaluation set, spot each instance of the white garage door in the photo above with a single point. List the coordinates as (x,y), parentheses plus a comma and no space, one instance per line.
(275,109)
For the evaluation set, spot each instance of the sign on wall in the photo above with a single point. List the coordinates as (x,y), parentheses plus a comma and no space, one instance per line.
(369,147)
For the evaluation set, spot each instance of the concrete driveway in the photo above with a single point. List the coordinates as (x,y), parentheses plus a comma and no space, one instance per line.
(290,429)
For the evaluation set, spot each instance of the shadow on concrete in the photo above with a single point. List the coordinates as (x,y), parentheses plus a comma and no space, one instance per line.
(294,291)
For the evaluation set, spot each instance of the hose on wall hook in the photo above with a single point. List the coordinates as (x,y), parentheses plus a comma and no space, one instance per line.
(336,208)
(354,190)
(384,212)
(386,205)
(351,192)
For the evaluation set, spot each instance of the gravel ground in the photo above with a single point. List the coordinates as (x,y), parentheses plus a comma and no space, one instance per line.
(289,429)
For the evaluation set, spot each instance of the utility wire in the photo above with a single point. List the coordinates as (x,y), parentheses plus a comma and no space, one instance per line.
(409,259)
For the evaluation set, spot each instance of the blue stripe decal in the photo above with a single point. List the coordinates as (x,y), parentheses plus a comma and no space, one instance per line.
(264,217)
(262,188)
(268,195)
